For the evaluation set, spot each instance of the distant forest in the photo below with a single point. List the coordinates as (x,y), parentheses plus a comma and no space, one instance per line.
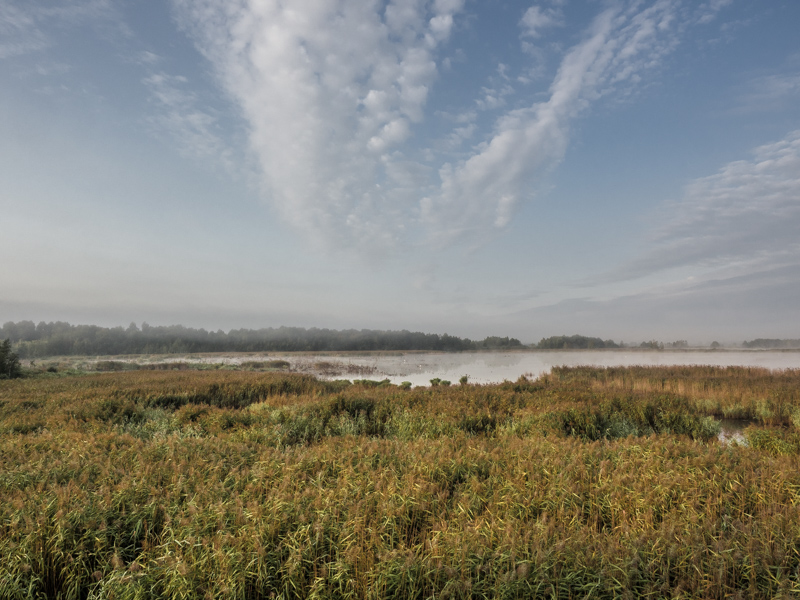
(32,340)
(574,342)
(772,344)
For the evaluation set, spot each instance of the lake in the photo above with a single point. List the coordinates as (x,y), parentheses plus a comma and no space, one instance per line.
(495,367)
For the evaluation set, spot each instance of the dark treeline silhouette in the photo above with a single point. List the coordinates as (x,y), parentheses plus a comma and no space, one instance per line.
(574,342)
(771,343)
(9,361)
(60,339)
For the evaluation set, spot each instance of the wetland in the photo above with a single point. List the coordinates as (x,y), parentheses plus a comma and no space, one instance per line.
(419,368)
(598,482)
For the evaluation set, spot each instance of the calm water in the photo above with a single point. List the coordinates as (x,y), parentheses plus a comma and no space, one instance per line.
(495,367)
(733,430)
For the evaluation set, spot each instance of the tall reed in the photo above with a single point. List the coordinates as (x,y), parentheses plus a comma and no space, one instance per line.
(587,483)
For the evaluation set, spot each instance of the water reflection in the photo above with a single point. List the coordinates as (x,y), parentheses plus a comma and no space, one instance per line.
(732,430)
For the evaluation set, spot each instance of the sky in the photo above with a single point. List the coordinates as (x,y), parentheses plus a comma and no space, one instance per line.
(623,169)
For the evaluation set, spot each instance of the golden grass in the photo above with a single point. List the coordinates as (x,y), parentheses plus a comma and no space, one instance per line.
(589,483)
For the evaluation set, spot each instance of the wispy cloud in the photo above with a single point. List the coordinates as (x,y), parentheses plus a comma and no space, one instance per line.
(18,32)
(23,25)
(770,92)
(486,187)
(537,18)
(707,11)
(733,308)
(745,218)
(145,57)
(179,113)
(335,94)
(493,96)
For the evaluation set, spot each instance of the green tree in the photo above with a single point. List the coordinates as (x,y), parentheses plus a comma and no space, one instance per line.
(574,342)
(652,345)
(9,362)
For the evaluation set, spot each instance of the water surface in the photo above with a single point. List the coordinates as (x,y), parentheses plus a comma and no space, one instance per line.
(495,367)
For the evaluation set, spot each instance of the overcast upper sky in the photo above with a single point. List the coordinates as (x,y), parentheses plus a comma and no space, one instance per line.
(626,169)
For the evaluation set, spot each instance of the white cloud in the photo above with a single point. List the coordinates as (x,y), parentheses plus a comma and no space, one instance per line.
(484,188)
(493,98)
(331,90)
(335,92)
(707,11)
(537,18)
(743,219)
(145,57)
(458,136)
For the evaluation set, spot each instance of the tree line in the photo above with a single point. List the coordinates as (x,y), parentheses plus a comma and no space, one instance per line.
(769,343)
(574,342)
(63,339)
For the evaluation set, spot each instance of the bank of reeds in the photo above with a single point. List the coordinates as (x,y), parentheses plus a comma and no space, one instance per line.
(731,392)
(588,483)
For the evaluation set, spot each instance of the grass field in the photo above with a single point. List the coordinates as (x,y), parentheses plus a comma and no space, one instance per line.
(586,483)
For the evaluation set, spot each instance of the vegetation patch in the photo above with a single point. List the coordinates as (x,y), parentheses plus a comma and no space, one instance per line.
(275,364)
(636,416)
(115,365)
(10,367)
(599,483)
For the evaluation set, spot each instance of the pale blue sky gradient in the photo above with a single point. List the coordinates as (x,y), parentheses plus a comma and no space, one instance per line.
(615,168)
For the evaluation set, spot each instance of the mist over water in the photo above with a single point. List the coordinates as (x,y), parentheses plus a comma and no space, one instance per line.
(495,367)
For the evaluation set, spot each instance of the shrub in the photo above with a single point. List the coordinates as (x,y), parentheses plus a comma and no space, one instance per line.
(370,383)
(114,365)
(9,362)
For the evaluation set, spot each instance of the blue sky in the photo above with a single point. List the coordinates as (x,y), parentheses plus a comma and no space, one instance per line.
(622,169)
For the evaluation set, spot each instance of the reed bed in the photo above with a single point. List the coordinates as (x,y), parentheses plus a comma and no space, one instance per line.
(732,392)
(586,483)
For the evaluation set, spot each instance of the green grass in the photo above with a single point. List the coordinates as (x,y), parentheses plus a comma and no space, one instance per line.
(587,483)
